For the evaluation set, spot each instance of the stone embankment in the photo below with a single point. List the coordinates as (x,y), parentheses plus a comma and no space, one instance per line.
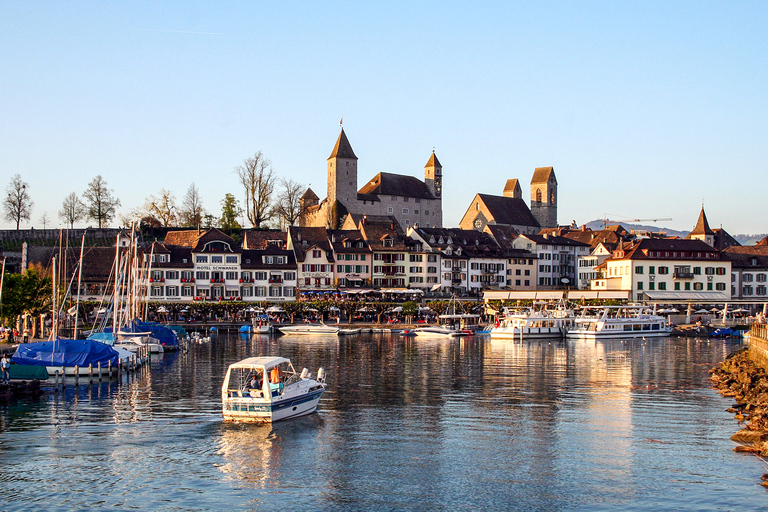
(746,382)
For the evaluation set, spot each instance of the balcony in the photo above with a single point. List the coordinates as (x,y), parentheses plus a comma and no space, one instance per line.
(217,280)
(683,275)
(153,280)
(187,279)
(275,280)
(246,280)
(456,281)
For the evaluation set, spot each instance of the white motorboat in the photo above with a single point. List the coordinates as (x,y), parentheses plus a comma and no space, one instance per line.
(309,329)
(619,322)
(450,325)
(542,323)
(268,389)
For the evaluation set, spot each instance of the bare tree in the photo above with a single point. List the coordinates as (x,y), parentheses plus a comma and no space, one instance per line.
(162,208)
(45,219)
(72,210)
(192,211)
(288,204)
(259,182)
(17,203)
(100,201)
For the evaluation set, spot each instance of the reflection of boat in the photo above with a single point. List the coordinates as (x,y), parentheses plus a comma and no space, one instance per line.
(309,329)
(349,331)
(533,323)
(619,322)
(264,389)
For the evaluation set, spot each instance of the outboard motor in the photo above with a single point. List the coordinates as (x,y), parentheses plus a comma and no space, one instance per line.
(320,375)
(304,373)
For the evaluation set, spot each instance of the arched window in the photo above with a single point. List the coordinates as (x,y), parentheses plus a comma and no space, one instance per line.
(551,198)
(538,195)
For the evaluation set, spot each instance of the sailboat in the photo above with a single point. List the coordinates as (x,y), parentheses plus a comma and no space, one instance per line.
(61,356)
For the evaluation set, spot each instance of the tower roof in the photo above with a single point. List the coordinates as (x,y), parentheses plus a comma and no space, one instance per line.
(511,187)
(342,149)
(433,161)
(310,194)
(542,174)
(702,226)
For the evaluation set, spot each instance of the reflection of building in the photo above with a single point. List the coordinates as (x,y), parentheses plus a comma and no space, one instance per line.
(406,198)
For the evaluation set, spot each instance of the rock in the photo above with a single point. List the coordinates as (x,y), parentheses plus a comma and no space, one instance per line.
(747,436)
(745,449)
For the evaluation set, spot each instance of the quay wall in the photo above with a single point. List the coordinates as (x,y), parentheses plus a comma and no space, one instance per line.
(758,345)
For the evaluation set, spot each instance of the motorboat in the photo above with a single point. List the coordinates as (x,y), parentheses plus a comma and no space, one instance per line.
(71,357)
(450,325)
(268,389)
(542,323)
(309,329)
(619,322)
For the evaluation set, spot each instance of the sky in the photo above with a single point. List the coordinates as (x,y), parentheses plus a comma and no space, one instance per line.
(644,109)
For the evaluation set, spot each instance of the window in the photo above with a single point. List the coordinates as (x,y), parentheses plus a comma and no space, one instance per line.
(171,274)
(216,259)
(405,210)
(231,275)
(172,291)
(662,286)
(639,285)
(231,259)
(201,259)
(663,270)
(698,286)
(639,270)
(651,285)
(720,286)
(202,275)
(187,291)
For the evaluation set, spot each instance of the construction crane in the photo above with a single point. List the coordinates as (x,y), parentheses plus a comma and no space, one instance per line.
(605,219)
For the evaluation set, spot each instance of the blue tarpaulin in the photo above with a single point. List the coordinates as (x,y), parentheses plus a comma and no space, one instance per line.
(68,353)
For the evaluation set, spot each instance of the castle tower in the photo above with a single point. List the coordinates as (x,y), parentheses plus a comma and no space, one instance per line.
(342,173)
(512,189)
(433,176)
(544,196)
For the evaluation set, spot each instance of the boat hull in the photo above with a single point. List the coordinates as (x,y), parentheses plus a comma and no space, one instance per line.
(254,410)
(308,330)
(619,335)
(527,333)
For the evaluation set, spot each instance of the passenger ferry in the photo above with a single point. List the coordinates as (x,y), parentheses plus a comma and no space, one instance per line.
(543,323)
(619,322)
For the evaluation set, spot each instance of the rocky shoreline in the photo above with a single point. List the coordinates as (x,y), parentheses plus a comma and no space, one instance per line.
(747,383)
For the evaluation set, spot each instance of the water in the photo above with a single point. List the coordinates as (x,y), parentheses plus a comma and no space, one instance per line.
(427,424)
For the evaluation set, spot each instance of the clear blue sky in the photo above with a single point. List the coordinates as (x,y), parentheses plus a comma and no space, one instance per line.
(645,109)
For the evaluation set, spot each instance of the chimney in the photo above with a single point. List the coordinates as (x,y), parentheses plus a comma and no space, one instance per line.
(583,227)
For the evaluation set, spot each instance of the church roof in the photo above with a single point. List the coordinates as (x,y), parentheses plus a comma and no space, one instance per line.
(388,184)
(342,149)
(508,210)
(433,161)
(702,226)
(541,175)
(512,185)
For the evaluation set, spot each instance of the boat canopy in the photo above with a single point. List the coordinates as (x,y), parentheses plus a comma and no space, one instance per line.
(64,352)
(266,362)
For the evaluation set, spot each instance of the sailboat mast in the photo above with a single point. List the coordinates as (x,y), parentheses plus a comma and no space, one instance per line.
(79,282)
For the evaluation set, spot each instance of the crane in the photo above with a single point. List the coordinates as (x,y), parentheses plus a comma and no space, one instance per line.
(605,219)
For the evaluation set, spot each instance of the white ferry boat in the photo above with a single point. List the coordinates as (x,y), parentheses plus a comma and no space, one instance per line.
(544,323)
(268,389)
(619,322)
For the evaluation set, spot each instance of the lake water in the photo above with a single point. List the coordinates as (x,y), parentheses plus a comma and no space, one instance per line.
(406,423)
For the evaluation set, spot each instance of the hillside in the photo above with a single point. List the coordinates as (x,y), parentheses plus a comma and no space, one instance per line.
(743,239)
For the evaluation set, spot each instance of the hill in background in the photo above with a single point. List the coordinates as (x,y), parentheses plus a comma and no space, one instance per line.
(741,238)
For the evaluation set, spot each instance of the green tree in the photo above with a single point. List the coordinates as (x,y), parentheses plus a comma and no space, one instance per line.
(230,211)
(28,293)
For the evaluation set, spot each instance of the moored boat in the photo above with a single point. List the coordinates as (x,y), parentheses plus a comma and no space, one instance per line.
(542,323)
(309,329)
(268,389)
(619,322)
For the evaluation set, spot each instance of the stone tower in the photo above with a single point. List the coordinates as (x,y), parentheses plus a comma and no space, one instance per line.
(433,176)
(512,189)
(342,173)
(544,197)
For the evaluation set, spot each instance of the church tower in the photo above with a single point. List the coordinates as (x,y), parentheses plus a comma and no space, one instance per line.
(702,231)
(342,173)
(544,197)
(433,176)
(512,189)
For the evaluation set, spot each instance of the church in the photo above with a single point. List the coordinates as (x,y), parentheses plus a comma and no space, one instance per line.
(510,209)
(408,199)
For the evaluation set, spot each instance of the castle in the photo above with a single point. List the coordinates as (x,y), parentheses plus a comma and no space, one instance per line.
(406,198)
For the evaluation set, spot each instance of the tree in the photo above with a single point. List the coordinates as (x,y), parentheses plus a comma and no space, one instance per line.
(17,203)
(72,210)
(259,182)
(230,211)
(192,211)
(288,204)
(162,208)
(100,201)
(45,219)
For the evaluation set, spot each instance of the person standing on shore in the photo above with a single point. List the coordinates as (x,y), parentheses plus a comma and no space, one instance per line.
(4,366)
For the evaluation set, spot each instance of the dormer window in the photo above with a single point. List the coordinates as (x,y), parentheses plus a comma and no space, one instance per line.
(388,242)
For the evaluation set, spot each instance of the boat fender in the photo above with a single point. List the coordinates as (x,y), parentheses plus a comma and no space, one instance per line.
(320,375)
(304,373)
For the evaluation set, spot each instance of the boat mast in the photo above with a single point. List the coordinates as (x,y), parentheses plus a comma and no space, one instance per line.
(79,282)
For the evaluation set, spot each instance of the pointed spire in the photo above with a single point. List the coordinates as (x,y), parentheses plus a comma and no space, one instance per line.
(702,226)
(342,149)
(433,161)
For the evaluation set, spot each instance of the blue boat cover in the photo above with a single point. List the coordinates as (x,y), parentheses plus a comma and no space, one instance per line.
(167,337)
(245,328)
(64,352)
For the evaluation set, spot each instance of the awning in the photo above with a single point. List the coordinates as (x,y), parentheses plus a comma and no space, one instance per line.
(690,296)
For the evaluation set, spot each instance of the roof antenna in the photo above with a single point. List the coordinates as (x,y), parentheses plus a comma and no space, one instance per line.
(341,122)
